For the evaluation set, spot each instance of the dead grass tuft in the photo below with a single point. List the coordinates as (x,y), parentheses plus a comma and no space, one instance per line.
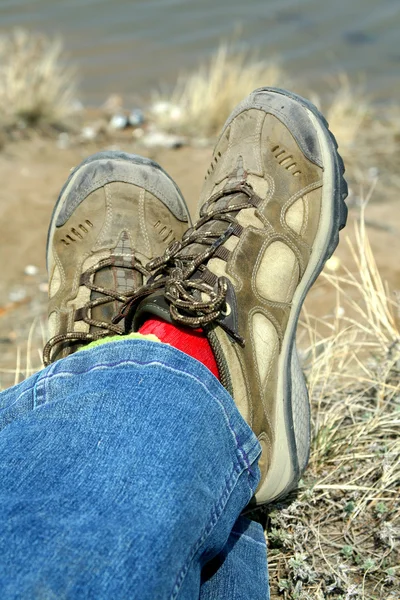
(28,356)
(36,88)
(368,135)
(340,537)
(348,111)
(201,102)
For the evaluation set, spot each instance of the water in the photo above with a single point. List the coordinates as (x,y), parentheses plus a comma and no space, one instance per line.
(132,46)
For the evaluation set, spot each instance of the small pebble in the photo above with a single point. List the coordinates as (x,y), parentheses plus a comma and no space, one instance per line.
(166,109)
(88,133)
(340,312)
(17,295)
(63,140)
(175,113)
(158,139)
(31,270)
(136,118)
(118,122)
(200,142)
(333,263)
(161,108)
(373,172)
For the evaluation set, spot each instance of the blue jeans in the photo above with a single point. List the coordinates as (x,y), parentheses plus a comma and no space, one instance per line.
(123,472)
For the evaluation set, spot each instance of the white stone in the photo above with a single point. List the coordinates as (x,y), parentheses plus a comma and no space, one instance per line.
(31,270)
(161,108)
(159,139)
(17,294)
(333,263)
(118,122)
(63,140)
(88,133)
(136,118)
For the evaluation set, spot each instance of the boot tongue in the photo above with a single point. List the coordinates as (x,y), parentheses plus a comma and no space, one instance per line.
(122,279)
(154,305)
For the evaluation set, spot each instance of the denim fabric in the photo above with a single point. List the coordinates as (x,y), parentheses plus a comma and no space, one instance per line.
(123,470)
(239,572)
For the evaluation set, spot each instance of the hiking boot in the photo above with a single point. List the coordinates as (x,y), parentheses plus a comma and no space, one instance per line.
(115,212)
(272,206)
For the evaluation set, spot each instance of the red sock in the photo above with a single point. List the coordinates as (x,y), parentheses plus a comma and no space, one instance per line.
(190,341)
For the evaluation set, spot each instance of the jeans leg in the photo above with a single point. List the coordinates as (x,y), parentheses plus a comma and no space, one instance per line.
(240,571)
(123,470)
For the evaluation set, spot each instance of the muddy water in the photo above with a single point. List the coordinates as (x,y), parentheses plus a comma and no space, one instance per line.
(130,46)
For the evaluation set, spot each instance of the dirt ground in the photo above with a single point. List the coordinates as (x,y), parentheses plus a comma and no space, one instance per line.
(32,173)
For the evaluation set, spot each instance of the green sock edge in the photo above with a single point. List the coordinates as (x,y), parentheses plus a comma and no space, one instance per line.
(150,337)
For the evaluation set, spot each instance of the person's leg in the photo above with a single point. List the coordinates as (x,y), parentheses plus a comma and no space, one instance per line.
(123,471)
(240,571)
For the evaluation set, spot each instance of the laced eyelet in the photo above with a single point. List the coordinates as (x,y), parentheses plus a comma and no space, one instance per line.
(226,310)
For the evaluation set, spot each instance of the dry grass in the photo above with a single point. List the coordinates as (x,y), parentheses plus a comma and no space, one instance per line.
(36,88)
(200,102)
(348,111)
(368,135)
(340,537)
(28,355)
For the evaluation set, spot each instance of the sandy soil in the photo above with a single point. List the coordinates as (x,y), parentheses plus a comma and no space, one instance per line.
(32,173)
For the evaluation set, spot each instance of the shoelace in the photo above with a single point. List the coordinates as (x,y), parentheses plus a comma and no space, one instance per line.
(107,295)
(184,276)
